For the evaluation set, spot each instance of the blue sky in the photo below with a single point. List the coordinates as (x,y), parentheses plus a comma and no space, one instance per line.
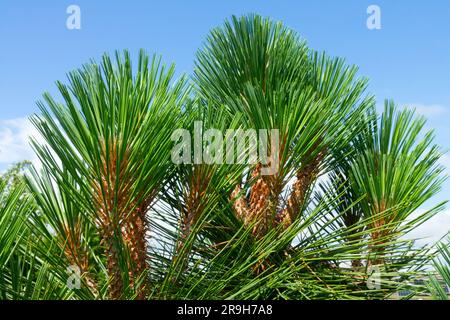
(408,60)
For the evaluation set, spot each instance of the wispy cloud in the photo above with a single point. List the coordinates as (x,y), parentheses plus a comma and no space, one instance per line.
(429,110)
(433,230)
(15,143)
(445,161)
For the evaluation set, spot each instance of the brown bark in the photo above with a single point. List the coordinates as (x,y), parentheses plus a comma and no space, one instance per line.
(260,210)
(305,178)
(121,218)
(135,238)
(194,201)
(256,211)
(378,238)
(76,253)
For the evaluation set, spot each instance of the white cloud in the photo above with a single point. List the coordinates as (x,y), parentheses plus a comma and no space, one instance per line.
(14,141)
(432,230)
(445,161)
(428,110)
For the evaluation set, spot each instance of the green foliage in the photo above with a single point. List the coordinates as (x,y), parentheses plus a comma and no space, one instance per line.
(23,275)
(110,203)
(442,268)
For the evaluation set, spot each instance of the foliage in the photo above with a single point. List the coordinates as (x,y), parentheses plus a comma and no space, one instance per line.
(110,203)
(442,267)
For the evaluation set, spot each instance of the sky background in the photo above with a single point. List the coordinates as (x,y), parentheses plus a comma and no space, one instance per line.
(408,60)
